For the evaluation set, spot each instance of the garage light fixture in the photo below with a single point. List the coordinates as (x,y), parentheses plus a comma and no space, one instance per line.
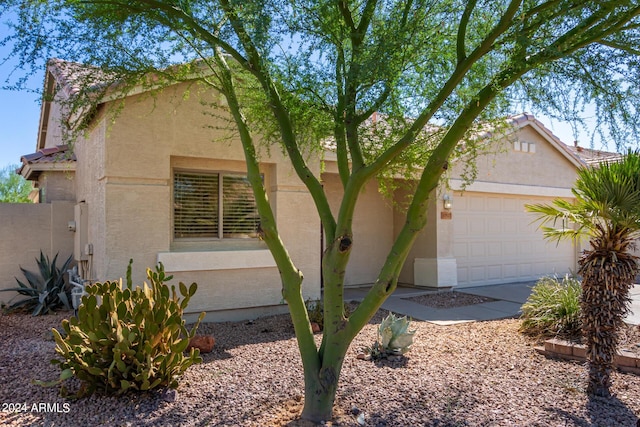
(447,201)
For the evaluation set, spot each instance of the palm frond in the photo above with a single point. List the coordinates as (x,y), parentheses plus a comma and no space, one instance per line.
(559,234)
(559,221)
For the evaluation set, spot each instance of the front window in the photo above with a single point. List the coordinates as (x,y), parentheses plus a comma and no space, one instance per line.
(213,205)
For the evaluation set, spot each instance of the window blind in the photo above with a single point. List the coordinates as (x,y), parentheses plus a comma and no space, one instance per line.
(214,206)
(196,198)
(240,216)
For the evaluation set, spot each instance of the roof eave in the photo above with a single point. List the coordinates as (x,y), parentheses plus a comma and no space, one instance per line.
(31,171)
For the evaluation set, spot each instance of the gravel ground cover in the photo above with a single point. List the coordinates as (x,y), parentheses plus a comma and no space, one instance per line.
(474,374)
(449,299)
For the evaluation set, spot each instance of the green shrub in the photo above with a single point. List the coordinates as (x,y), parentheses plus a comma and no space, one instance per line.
(128,339)
(394,338)
(46,290)
(553,308)
(315,310)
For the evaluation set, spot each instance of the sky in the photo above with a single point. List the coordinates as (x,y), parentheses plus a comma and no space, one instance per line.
(19,114)
(19,117)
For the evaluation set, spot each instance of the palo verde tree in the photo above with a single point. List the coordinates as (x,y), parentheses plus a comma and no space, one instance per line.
(308,74)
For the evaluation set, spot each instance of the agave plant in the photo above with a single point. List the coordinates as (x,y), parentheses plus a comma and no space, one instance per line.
(394,338)
(45,291)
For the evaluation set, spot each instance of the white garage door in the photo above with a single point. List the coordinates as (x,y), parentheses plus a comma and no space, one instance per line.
(496,242)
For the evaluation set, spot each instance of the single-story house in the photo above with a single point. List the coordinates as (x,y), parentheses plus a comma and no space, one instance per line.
(164,182)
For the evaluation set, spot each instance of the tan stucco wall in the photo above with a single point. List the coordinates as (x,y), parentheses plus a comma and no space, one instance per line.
(90,186)
(372,230)
(231,289)
(543,172)
(124,174)
(426,244)
(57,185)
(547,167)
(53,121)
(27,228)
(130,197)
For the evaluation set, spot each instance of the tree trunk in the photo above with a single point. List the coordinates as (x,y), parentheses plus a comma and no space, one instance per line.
(321,382)
(607,279)
(320,393)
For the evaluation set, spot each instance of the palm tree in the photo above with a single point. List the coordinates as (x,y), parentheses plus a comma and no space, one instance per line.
(607,211)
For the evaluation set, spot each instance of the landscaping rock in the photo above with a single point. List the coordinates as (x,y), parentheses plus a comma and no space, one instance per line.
(473,374)
(203,342)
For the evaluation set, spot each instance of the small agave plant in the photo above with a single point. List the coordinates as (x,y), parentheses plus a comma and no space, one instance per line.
(394,338)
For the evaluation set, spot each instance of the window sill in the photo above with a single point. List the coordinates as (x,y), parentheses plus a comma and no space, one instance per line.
(211,245)
(228,259)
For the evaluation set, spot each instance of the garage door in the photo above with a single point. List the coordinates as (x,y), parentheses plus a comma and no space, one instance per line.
(495,241)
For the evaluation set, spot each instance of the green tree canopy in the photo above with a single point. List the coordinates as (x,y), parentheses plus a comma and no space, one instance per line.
(301,73)
(13,187)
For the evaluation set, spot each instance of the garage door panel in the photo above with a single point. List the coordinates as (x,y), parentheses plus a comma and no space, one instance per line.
(463,274)
(545,247)
(526,228)
(494,226)
(524,269)
(478,249)
(476,204)
(496,242)
(525,250)
(539,266)
(494,272)
(493,204)
(462,204)
(509,225)
(510,247)
(477,274)
(461,249)
(512,205)
(494,249)
(559,266)
(510,271)
(463,226)
(476,227)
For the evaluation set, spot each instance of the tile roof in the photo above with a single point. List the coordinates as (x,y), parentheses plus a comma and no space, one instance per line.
(74,77)
(594,157)
(45,159)
(50,154)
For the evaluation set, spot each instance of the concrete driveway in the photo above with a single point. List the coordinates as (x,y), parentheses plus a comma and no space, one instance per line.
(509,299)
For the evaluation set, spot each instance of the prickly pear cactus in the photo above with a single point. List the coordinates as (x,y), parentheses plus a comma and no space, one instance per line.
(127,338)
